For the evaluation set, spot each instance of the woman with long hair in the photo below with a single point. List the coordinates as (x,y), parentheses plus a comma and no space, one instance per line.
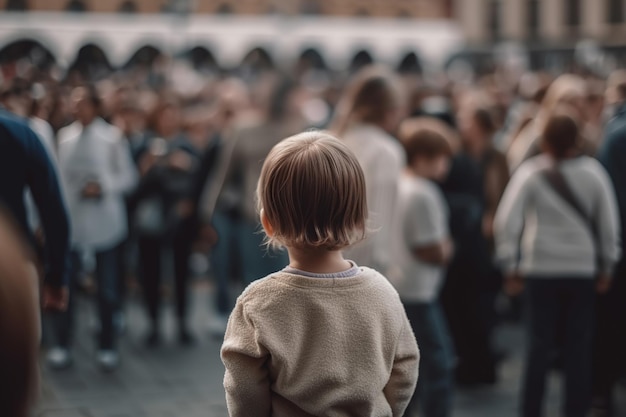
(367,117)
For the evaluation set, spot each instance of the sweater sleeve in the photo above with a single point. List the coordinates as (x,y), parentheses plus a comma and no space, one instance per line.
(45,188)
(403,378)
(607,223)
(509,219)
(246,380)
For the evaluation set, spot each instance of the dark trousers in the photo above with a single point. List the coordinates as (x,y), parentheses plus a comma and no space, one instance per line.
(108,298)
(150,260)
(559,306)
(609,361)
(435,387)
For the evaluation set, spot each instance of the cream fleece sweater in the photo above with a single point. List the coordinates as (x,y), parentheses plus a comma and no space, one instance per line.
(298,346)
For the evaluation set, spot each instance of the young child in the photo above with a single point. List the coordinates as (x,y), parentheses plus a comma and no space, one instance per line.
(323,336)
(422,250)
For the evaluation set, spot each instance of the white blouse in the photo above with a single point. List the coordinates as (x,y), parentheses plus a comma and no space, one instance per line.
(98,153)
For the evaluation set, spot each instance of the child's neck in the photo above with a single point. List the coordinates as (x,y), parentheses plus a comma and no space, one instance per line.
(317,261)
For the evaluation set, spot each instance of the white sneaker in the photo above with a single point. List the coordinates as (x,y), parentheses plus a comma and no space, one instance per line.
(108,360)
(59,358)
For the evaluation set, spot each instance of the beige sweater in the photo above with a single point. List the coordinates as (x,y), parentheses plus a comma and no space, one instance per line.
(298,346)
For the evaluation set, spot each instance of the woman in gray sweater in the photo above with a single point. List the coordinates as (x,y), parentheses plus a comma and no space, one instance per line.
(557,234)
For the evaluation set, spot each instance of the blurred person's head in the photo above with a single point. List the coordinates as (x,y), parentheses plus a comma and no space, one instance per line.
(560,137)
(475,121)
(311,194)
(86,104)
(372,97)
(282,100)
(616,88)
(129,117)
(18,325)
(16,96)
(429,144)
(567,89)
(166,118)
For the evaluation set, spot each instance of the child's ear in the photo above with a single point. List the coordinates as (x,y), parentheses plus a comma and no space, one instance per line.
(267,226)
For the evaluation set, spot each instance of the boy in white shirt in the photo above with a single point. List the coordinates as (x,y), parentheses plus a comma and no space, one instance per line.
(423,249)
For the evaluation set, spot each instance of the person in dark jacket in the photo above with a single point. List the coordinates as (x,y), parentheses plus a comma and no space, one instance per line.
(25,164)
(610,337)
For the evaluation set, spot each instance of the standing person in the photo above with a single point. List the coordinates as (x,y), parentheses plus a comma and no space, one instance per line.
(474,279)
(235,219)
(368,114)
(97,171)
(323,336)
(423,250)
(164,214)
(562,209)
(568,90)
(25,164)
(610,338)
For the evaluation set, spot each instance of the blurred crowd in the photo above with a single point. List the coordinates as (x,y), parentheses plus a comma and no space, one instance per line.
(159,164)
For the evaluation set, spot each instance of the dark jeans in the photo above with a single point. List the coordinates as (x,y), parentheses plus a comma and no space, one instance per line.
(108,298)
(435,386)
(610,337)
(151,250)
(240,241)
(559,306)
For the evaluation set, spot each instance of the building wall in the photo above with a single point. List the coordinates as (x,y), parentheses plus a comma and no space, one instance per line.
(553,28)
(428,9)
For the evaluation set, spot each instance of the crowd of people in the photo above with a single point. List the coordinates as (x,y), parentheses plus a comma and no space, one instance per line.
(477,193)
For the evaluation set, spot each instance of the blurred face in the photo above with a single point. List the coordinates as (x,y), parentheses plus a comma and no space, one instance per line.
(468,128)
(169,121)
(83,108)
(577,103)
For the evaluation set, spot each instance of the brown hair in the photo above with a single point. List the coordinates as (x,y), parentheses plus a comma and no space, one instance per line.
(312,192)
(370,96)
(426,137)
(560,134)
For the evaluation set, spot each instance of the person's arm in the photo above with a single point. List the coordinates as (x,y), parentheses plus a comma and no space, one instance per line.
(403,379)
(438,253)
(607,225)
(509,224)
(246,380)
(46,191)
(426,229)
(496,180)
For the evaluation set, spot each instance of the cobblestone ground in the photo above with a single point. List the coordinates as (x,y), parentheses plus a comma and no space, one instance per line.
(173,381)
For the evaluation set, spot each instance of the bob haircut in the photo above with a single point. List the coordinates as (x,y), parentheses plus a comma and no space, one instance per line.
(426,137)
(561,134)
(312,192)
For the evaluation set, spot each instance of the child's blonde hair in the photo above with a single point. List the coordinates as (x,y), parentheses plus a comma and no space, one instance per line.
(312,192)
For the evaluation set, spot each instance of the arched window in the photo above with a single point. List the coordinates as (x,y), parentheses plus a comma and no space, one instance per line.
(410,64)
(310,7)
(92,63)
(362,13)
(16,5)
(360,60)
(32,50)
(144,57)
(202,59)
(311,58)
(258,60)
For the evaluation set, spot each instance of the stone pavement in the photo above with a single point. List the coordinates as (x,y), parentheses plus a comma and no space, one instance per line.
(173,381)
